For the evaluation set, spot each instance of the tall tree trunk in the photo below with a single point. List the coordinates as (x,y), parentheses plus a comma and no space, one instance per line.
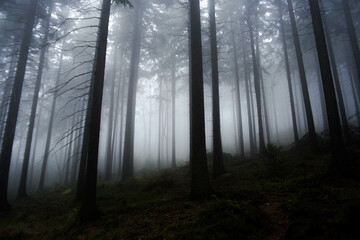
(353,38)
(83,157)
(173,97)
(160,125)
(338,150)
(249,103)
(25,166)
(128,159)
(234,109)
(35,147)
(257,85)
(88,209)
(200,185)
(50,128)
(305,90)
(340,98)
(8,139)
(109,155)
(218,164)
(6,95)
(70,153)
(321,95)
(288,76)
(121,138)
(238,111)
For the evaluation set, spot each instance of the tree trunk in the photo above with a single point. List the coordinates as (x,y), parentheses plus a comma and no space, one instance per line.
(8,139)
(173,96)
(34,147)
(128,159)
(218,164)
(200,185)
(249,103)
(340,97)
(160,125)
(121,128)
(353,38)
(88,209)
(338,150)
(25,166)
(238,110)
(69,154)
(257,85)
(305,90)
(288,76)
(109,155)
(50,128)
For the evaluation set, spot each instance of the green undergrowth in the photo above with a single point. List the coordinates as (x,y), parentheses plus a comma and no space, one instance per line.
(277,195)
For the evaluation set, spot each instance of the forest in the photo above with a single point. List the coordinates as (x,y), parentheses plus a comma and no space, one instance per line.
(179,119)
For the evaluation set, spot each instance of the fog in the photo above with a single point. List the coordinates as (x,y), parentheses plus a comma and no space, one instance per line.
(70,38)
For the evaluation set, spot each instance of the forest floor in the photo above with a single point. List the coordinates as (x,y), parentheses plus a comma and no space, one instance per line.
(286,195)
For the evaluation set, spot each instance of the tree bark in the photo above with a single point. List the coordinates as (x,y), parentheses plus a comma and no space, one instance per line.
(288,76)
(353,38)
(25,166)
(238,111)
(200,185)
(173,122)
(128,159)
(249,103)
(88,209)
(338,150)
(8,139)
(305,90)
(257,85)
(218,164)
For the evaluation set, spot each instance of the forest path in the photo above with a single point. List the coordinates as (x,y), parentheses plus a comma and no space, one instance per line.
(280,219)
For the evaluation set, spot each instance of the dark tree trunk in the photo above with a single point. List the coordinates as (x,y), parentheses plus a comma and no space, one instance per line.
(340,98)
(173,96)
(257,85)
(250,108)
(305,90)
(9,132)
(69,153)
(218,164)
(321,95)
(352,34)
(288,76)
(338,150)
(238,110)
(6,95)
(25,166)
(128,159)
(88,209)
(200,185)
(50,128)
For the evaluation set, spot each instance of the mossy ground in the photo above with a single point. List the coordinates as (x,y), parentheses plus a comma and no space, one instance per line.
(289,195)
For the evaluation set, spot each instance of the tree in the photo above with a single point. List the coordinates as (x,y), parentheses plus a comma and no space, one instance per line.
(288,74)
(88,209)
(7,143)
(338,150)
(218,164)
(256,83)
(238,109)
(200,185)
(24,171)
(128,159)
(305,90)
